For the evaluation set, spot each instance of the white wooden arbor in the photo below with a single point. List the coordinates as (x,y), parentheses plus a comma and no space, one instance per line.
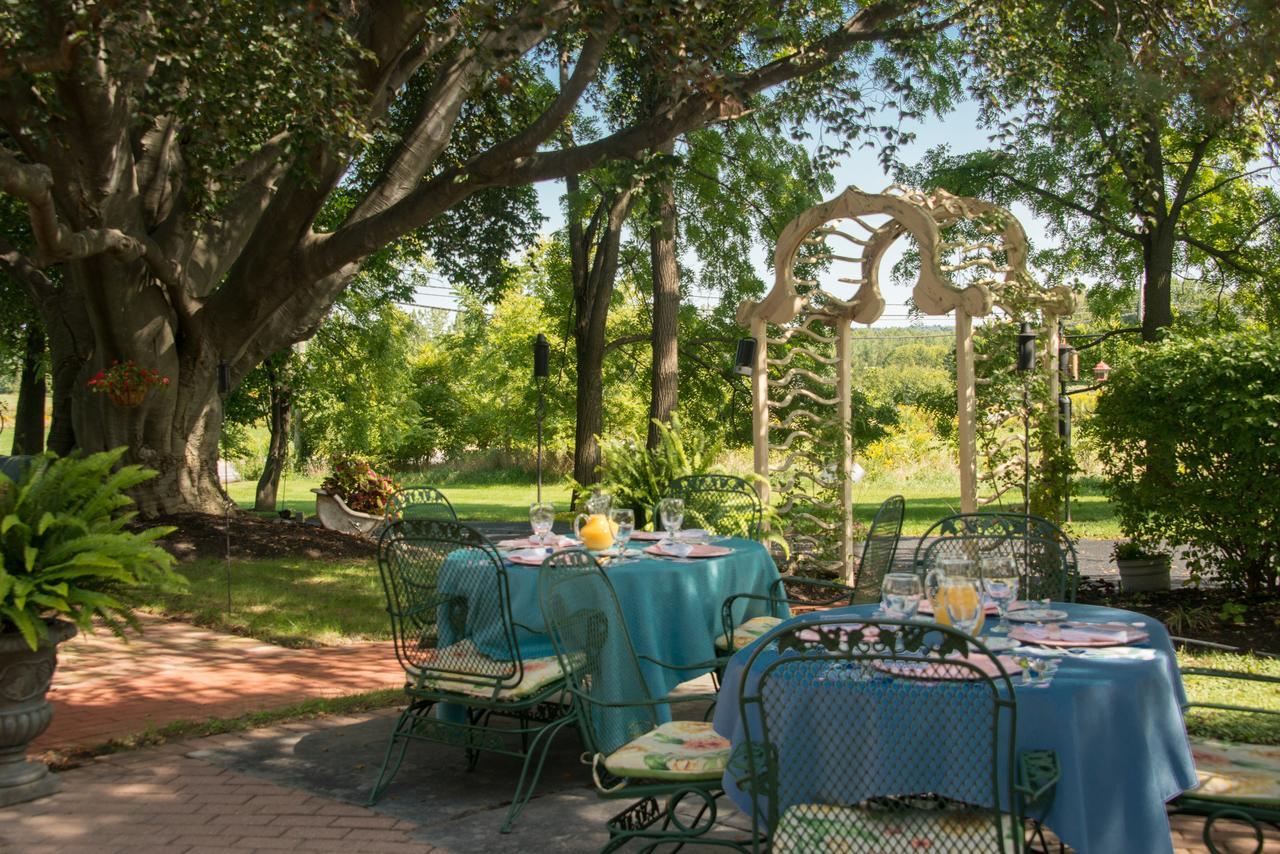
(971,259)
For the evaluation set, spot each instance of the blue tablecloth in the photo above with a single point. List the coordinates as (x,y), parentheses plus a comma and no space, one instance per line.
(672,608)
(1116,726)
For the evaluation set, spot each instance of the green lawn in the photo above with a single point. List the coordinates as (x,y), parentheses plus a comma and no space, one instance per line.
(928,500)
(294,602)
(1234,726)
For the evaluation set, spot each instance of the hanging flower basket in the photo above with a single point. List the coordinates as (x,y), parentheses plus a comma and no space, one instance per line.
(128,397)
(126,384)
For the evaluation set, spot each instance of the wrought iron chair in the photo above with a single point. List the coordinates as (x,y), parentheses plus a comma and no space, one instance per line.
(880,549)
(419,502)
(720,503)
(632,754)
(787,595)
(1238,780)
(1048,571)
(931,763)
(450,608)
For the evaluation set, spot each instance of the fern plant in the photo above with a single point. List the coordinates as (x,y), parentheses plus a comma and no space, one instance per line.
(65,548)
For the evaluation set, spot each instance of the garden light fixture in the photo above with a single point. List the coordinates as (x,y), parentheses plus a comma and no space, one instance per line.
(541,370)
(745,357)
(1101,371)
(1026,348)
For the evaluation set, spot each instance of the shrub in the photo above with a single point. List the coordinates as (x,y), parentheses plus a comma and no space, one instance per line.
(65,548)
(1191,433)
(638,477)
(360,486)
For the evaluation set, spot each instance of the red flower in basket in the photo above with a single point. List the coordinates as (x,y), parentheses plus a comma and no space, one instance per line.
(126,383)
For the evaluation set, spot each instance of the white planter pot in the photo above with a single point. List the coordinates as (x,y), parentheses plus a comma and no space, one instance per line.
(335,515)
(1145,574)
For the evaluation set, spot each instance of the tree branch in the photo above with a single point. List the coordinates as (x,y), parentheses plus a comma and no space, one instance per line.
(1057,199)
(1189,174)
(1226,257)
(1218,185)
(25,270)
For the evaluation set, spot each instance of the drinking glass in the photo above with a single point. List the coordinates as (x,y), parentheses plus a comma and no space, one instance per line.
(1000,582)
(671,510)
(541,518)
(963,602)
(900,595)
(625,519)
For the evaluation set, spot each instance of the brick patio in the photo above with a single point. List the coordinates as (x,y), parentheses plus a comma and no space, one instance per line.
(291,786)
(107,688)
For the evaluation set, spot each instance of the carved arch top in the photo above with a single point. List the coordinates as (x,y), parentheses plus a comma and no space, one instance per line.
(982,267)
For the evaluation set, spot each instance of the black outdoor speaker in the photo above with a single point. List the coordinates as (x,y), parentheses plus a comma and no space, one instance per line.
(224,377)
(745,358)
(541,357)
(1026,348)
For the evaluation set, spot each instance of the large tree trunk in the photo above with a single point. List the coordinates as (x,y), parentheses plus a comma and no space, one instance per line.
(665,380)
(28,423)
(281,419)
(594,257)
(1157,285)
(175,429)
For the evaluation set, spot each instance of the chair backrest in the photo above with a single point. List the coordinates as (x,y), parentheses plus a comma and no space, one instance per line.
(1061,586)
(880,549)
(587,629)
(419,502)
(720,503)
(449,603)
(1049,572)
(853,743)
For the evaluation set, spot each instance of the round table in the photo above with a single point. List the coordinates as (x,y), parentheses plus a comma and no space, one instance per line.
(1115,724)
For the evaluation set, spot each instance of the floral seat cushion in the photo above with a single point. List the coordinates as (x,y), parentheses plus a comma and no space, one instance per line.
(684,750)
(1237,772)
(466,658)
(747,632)
(823,829)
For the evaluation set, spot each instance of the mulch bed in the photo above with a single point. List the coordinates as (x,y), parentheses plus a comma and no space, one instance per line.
(1219,616)
(203,535)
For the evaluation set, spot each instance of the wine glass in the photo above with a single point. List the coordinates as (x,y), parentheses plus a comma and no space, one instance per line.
(671,511)
(962,598)
(541,517)
(625,520)
(1000,582)
(900,595)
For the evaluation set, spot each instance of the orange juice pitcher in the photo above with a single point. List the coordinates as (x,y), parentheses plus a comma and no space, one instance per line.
(956,583)
(594,528)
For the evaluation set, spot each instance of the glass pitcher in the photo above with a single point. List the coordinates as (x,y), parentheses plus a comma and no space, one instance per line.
(954,587)
(594,528)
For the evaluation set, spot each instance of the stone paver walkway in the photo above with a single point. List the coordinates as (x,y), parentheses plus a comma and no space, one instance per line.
(107,688)
(292,787)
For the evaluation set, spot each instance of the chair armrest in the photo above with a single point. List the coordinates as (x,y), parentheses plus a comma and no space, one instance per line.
(726,609)
(636,704)
(701,665)
(1038,773)
(838,589)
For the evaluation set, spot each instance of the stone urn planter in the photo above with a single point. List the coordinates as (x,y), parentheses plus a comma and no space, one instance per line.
(25,675)
(335,515)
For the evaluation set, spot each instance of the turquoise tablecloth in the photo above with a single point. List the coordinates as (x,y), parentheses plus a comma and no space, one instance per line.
(672,608)
(1116,726)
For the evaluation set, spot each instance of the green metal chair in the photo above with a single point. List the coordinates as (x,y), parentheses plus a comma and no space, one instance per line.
(786,595)
(880,549)
(1238,780)
(633,755)
(922,769)
(1036,544)
(450,608)
(419,502)
(720,503)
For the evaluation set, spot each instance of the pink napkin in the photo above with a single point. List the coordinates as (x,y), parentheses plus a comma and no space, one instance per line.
(648,536)
(1101,634)
(699,550)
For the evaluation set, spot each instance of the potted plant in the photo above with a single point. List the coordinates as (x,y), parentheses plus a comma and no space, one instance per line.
(67,559)
(1141,568)
(353,497)
(126,383)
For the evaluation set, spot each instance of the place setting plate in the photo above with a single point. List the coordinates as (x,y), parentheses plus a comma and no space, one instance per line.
(1082,635)
(1036,615)
(981,666)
